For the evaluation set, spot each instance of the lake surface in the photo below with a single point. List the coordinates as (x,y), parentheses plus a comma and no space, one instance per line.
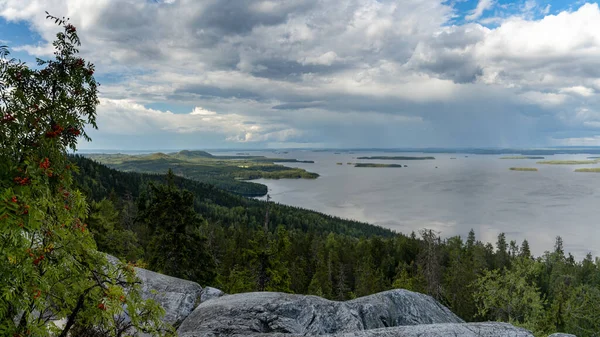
(471,191)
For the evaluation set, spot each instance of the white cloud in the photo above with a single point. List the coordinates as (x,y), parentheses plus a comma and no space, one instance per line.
(482,6)
(547,99)
(124,117)
(325,59)
(201,111)
(578,141)
(578,90)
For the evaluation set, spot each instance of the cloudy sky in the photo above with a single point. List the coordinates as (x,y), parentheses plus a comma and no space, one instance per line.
(330,73)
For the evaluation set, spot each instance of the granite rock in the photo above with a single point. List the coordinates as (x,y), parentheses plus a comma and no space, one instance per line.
(266,312)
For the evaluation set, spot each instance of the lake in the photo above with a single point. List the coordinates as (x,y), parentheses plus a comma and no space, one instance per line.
(471,191)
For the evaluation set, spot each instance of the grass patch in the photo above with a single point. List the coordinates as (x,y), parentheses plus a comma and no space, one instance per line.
(568,162)
(528,169)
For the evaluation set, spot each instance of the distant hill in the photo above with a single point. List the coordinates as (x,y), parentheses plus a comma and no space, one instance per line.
(230,173)
(193,154)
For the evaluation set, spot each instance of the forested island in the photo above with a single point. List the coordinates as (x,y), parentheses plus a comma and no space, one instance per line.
(531,169)
(397,158)
(590,169)
(226,172)
(567,162)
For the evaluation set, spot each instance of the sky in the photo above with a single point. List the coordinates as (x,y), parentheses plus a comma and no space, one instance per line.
(254,74)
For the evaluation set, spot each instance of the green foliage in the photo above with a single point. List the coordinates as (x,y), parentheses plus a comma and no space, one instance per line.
(510,295)
(49,267)
(175,245)
(105,224)
(583,311)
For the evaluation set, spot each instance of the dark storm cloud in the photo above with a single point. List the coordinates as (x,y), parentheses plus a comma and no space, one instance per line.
(212,91)
(241,16)
(278,69)
(297,105)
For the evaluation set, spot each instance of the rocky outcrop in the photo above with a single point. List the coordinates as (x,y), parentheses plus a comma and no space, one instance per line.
(178,297)
(209,293)
(488,329)
(259,313)
(561,335)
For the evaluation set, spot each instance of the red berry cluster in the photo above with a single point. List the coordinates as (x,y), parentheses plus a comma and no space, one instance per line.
(21,181)
(38,293)
(7,119)
(56,130)
(79,62)
(81,227)
(74,131)
(38,259)
(70,28)
(45,164)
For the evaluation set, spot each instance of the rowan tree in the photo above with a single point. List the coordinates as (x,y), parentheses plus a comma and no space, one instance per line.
(49,266)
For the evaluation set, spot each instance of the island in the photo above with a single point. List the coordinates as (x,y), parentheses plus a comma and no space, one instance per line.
(376,165)
(230,173)
(568,162)
(397,158)
(527,169)
(589,169)
(522,157)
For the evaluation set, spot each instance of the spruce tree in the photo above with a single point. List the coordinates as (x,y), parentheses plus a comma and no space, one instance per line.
(177,246)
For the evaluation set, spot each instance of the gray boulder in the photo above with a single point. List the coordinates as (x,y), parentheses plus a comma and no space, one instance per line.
(178,297)
(256,313)
(400,307)
(210,293)
(560,334)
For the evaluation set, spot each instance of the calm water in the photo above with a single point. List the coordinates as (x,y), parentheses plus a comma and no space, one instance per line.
(476,192)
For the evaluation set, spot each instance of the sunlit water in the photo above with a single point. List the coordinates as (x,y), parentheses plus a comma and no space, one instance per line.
(476,192)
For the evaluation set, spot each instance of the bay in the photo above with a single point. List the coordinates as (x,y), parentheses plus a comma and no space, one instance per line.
(452,196)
